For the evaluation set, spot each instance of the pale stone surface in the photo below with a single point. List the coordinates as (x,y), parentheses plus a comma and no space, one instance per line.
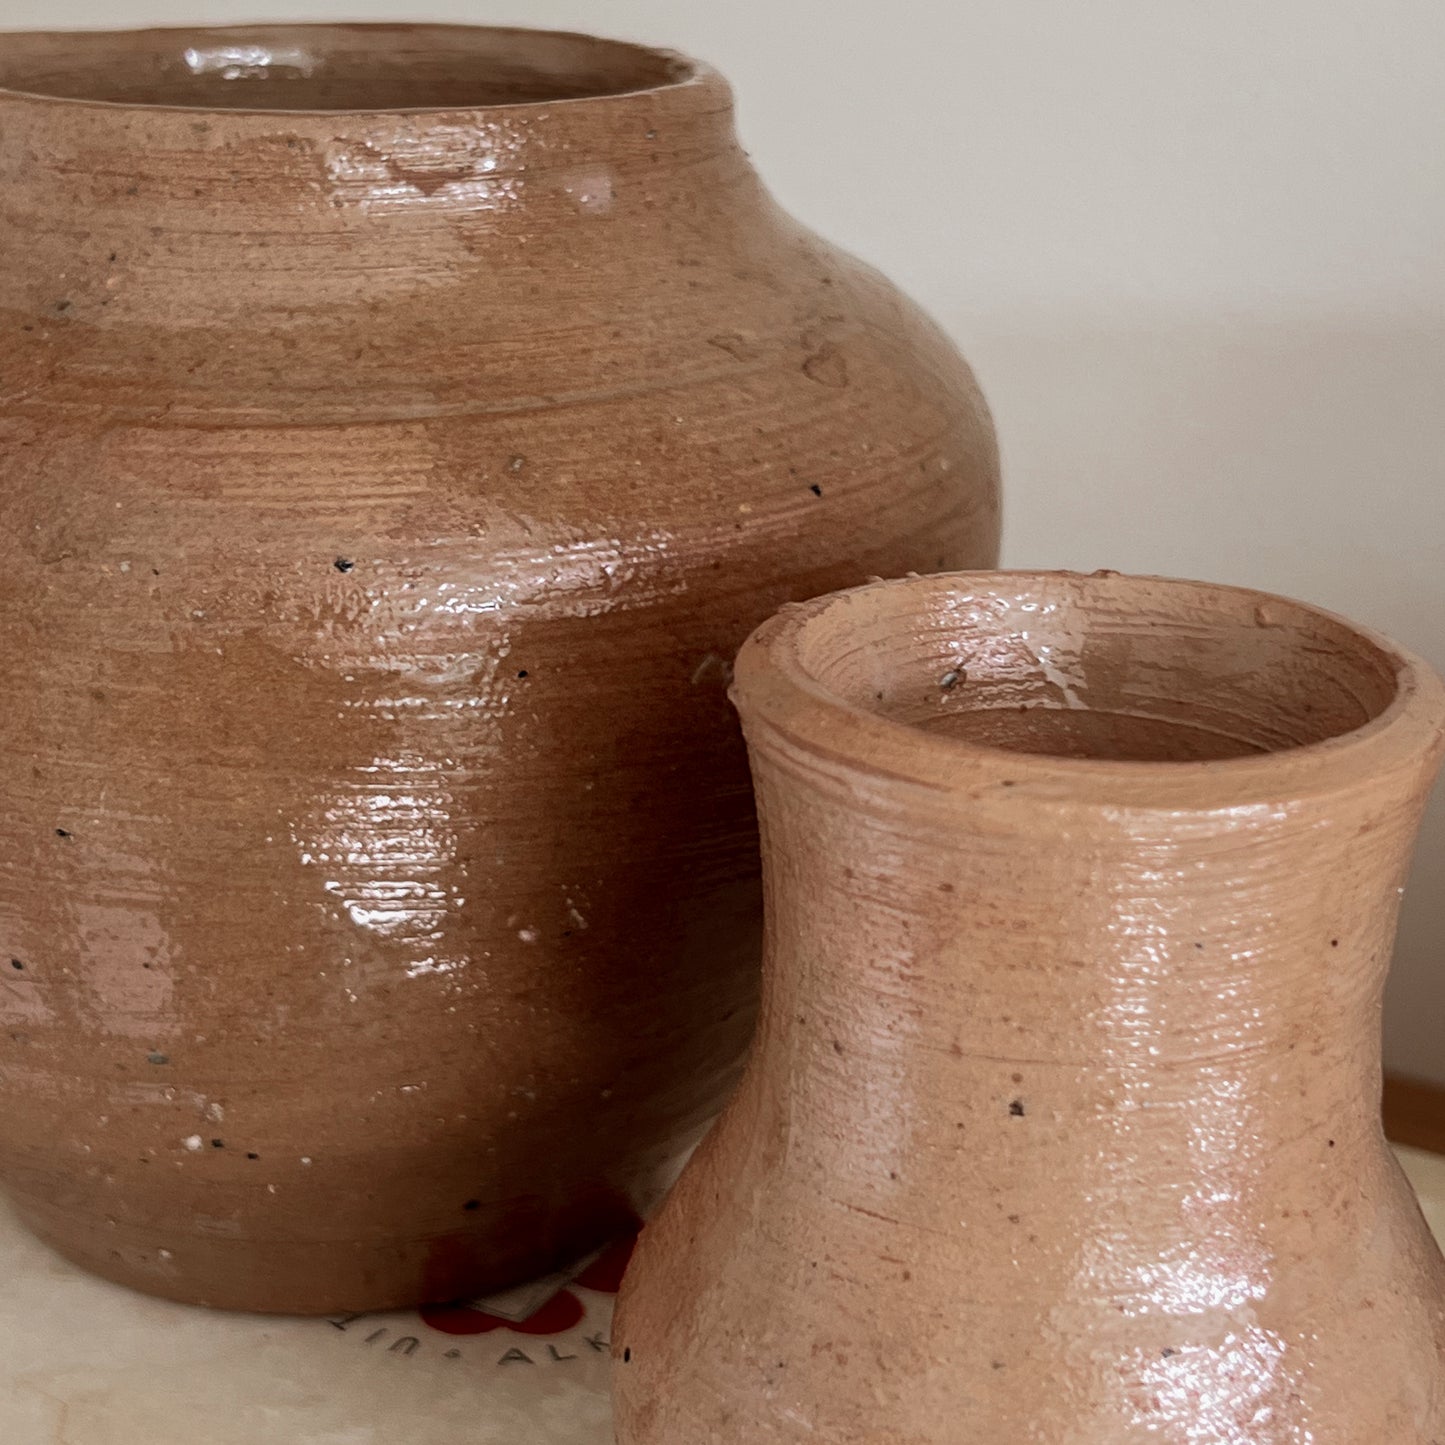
(87,1363)
(1427,1174)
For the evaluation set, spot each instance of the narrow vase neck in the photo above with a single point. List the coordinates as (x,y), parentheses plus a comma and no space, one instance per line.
(1165,960)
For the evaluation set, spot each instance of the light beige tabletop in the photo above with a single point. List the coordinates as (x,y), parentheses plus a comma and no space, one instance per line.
(85,1363)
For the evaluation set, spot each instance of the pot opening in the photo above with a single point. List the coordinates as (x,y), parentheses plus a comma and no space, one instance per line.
(330,67)
(1107,667)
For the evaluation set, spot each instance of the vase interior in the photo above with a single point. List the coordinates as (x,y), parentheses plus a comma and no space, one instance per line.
(331,68)
(1107,668)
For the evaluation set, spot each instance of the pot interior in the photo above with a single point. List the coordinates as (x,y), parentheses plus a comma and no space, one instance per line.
(1104,667)
(330,67)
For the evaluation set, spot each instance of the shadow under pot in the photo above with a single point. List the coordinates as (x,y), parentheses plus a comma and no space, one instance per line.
(1062,1123)
(401,428)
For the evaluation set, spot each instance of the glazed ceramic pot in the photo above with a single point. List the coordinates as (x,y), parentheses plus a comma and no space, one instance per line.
(1062,1125)
(400,429)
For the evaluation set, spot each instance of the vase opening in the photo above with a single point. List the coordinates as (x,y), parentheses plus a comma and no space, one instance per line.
(1105,668)
(331,67)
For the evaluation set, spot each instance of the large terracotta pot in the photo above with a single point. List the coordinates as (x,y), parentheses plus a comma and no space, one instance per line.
(400,428)
(1063,1121)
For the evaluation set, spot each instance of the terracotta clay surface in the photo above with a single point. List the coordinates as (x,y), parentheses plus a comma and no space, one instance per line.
(400,428)
(1062,1126)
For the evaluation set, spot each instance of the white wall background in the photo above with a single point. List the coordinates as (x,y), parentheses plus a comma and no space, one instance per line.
(1195,248)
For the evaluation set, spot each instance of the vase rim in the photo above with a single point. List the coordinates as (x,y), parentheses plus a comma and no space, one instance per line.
(548,69)
(777,684)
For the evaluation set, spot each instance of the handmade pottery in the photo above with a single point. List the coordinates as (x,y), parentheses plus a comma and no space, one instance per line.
(1062,1124)
(400,429)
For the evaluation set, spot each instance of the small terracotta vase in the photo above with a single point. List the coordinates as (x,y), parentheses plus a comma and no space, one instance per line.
(1062,1124)
(400,429)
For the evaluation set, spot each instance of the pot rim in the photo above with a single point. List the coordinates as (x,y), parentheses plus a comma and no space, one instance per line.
(774,688)
(678,73)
